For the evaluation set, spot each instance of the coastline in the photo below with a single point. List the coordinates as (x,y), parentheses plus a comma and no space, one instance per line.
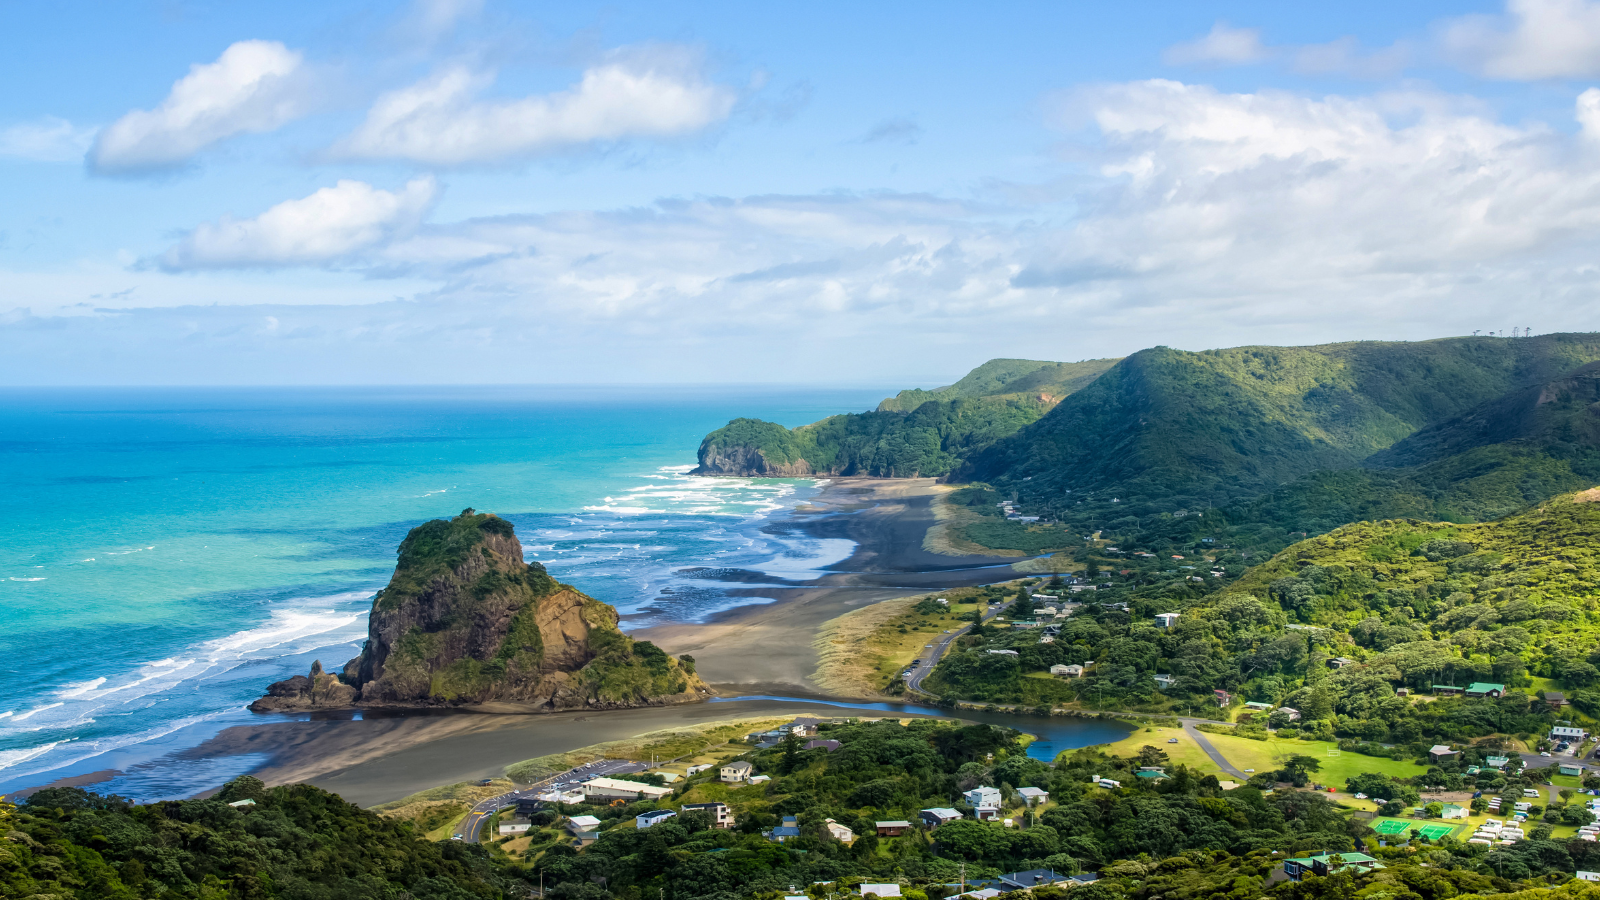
(376,756)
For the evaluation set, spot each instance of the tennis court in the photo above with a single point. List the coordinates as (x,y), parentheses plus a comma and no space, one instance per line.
(1435,832)
(1390,826)
(1432,832)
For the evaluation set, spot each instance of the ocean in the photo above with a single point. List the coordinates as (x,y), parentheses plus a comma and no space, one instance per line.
(167,553)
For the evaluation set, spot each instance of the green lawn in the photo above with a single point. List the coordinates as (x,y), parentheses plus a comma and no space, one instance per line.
(1184,751)
(1336,765)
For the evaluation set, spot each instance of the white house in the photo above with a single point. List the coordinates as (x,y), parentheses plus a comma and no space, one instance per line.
(1030,795)
(983,796)
(645,820)
(697,768)
(736,771)
(1291,712)
(1165,681)
(721,815)
(617,789)
(1165,620)
(1563,733)
(839,832)
(581,824)
(559,796)
(515,826)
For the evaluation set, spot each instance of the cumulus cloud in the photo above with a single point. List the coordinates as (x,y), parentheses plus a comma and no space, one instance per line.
(1532,40)
(1223,45)
(253,87)
(48,139)
(657,92)
(327,226)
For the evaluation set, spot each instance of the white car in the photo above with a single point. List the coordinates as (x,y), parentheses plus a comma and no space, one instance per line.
(1361,796)
(1544,753)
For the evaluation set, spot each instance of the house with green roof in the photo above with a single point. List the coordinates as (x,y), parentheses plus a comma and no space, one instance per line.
(1324,863)
(1496,762)
(1486,689)
(1153,773)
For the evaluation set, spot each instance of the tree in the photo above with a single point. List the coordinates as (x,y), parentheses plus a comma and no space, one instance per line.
(791,754)
(1152,756)
(1296,768)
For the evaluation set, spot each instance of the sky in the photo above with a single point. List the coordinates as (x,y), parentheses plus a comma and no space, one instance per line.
(472,191)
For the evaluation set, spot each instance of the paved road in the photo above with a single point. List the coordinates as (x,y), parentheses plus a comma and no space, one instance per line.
(473,826)
(1199,738)
(928,660)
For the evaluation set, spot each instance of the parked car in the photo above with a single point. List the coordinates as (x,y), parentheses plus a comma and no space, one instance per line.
(1172,740)
(1544,752)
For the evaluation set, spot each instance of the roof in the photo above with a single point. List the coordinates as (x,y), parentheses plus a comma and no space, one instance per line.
(1554,695)
(1257,704)
(897,823)
(1446,687)
(1349,858)
(741,764)
(944,812)
(1033,877)
(1484,687)
(786,831)
(825,744)
(1152,775)
(617,784)
(658,814)
(882,890)
(1033,792)
(1440,749)
(584,821)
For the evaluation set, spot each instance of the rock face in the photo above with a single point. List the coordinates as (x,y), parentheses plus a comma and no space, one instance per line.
(464,620)
(748,462)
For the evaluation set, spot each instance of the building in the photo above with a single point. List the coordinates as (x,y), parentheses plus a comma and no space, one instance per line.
(1164,681)
(1486,689)
(1440,752)
(736,771)
(1256,706)
(1291,712)
(581,824)
(1031,795)
(617,789)
(1496,762)
(1059,670)
(697,768)
(1002,652)
(881,890)
(645,820)
(514,826)
(892,829)
(721,815)
(1453,811)
(1297,869)
(1151,773)
(1588,876)
(1570,769)
(1165,620)
(1556,699)
(1340,662)
(986,813)
(1023,881)
(1565,733)
(938,815)
(1402,692)
(1446,690)
(826,744)
(839,832)
(790,828)
(1222,697)
(557,795)
(805,726)
(983,796)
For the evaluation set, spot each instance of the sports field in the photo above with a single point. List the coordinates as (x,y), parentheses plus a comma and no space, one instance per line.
(1432,831)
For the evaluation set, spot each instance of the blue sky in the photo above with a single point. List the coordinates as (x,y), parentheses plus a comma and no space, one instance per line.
(459,191)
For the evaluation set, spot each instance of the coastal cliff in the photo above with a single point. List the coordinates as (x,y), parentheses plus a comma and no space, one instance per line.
(465,621)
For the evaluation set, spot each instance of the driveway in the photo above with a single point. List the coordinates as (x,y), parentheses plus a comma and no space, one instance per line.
(1199,738)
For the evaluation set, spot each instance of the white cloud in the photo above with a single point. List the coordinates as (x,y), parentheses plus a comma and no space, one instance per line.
(48,139)
(1532,40)
(327,226)
(1223,45)
(253,87)
(642,93)
(431,20)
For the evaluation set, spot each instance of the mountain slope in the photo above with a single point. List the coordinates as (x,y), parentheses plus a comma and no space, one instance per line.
(1171,428)
(465,620)
(916,433)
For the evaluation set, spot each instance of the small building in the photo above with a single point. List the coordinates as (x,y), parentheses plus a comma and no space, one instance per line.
(1291,712)
(697,768)
(1002,652)
(1151,773)
(783,832)
(1047,638)
(1587,876)
(938,815)
(1566,733)
(580,824)
(1164,681)
(1486,689)
(617,789)
(760,779)
(1446,690)
(736,771)
(557,795)
(1222,697)
(893,829)
(1496,762)
(1556,699)
(1027,881)
(1402,692)
(1061,670)
(840,833)
(1570,769)
(656,817)
(1165,620)
(1323,863)
(242,804)
(1453,811)
(804,726)
(983,796)
(986,813)
(881,890)
(721,814)
(1441,752)
(827,744)
(1032,795)
(1340,662)
(1257,706)
(514,826)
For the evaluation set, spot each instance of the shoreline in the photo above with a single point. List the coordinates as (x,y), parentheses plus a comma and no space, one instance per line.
(373,756)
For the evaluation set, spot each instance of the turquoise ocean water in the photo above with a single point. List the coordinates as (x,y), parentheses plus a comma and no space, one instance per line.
(165,553)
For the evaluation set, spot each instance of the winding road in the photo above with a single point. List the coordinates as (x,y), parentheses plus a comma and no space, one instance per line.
(472,828)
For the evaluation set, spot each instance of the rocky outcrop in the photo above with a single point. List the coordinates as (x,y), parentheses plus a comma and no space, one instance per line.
(464,621)
(748,462)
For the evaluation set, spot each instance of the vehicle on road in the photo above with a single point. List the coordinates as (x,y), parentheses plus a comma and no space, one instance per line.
(1544,752)
(455,837)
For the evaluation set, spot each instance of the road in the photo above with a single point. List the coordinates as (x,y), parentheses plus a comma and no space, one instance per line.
(928,660)
(1199,738)
(473,826)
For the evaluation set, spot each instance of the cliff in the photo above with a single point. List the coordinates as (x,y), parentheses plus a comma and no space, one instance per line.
(464,620)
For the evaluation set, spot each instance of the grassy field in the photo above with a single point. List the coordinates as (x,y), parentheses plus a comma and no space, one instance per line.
(1270,754)
(1185,751)
(863,651)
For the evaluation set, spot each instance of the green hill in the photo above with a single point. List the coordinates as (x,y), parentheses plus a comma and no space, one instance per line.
(916,433)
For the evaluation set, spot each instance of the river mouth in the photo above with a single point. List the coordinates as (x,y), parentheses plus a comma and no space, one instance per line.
(1052,734)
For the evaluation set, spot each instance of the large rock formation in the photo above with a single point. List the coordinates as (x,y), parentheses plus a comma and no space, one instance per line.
(464,620)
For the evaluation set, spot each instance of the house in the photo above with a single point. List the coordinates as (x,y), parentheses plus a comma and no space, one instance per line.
(1570,769)
(983,796)
(1152,773)
(893,829)
(1023,881)
(881,890)
(1002,652)
(721,815)
(1496,762)
(1439,752)
(1402,692)
(1486,689)
(242,804)
(826,744)
(1066,671)
(1340,662)
(1556,699)
(581,824)
(736,771)
(617,789)
(1446,690)
(1294,714)
(1222,697)
(938,815)
(656,817)
(790,828)
(557,795)
(1030,795)
(1165,681)
(1107,782)
(515,826)
(1165,620)
(697,768)
(1257,706)
(986,813)
(1297,869)
(839,832)
(1588,876)
(805,726)
(1564,733)
(1453,811)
